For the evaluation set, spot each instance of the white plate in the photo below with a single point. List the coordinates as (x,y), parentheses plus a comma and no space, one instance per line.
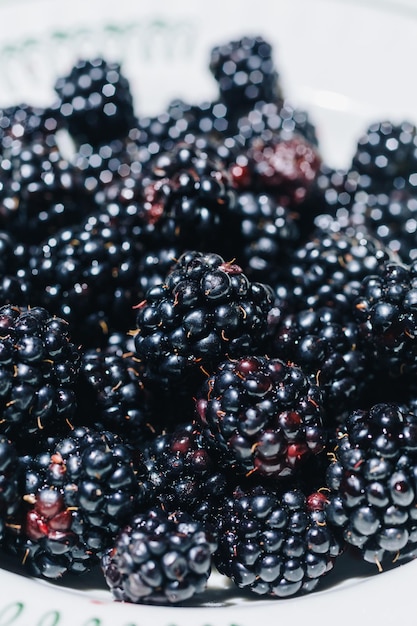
(348,63)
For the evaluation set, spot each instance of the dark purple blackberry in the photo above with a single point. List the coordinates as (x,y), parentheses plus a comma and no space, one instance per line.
(159,558)
(385,310)
(328,269)
(386,154)
(95,102)
(269,234)
(10,479)
(42,192)
(268,118)
(78,495)
(328,350)
(205,310)
(261,416)
(188,199)
(39,367)
(371,480)
(112,394)
(182,474)
(275,544)
(25,122)
(87,273)
(245,72)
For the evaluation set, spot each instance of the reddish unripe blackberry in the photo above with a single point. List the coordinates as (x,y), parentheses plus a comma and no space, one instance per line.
(372,482)
(275,543)
(261,415)
(159,558)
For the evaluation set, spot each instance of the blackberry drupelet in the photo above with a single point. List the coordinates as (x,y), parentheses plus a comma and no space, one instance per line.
(181,473)
(10,483)
(328,350)
(385,310)
(262,416)
(95,102)
(205,310)
(245,72)
(159,558)
(39,367)
(371,480)
(79,492)
(275,543)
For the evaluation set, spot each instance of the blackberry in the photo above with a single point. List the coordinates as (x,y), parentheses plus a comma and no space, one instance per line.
(205,310)
(385,311)
(95,101)
(25,122)
(283,166)
(112,394)
(267,118)
(87,273)
(275,543)
(182,474)
(269,234)
(371,481)
(188,199)
(328,350)
(39,367)
(15,279)
(78,494)
(245,72)
(10,483)
(386,154)
(328,269)
(262,416)
(42,193)
(159,558)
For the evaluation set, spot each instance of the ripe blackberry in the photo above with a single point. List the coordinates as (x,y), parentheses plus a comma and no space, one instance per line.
(112,394)
(385,311)
(182,474)
(25,122)
(327,270)
(268,118)
(328,350)
(188,199)
(87,273)
(371,481)
(39,366)
(261,416)
(42,193)
(10,483)
(78,495)
(269,234)
(245,72)
(159,558)
(205,310)
(386,154)
(276,544)
(95,102)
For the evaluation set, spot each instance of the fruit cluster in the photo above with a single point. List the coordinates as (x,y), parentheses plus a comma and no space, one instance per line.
(208,337)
